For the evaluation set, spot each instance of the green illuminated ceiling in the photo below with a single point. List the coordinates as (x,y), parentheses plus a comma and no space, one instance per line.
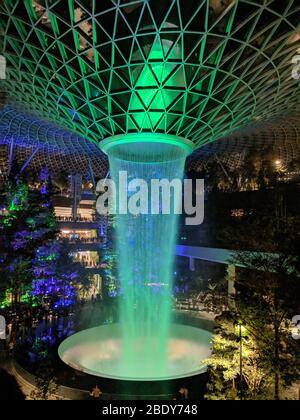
(198,69)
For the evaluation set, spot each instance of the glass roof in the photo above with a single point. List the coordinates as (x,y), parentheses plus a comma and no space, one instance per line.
(200,70)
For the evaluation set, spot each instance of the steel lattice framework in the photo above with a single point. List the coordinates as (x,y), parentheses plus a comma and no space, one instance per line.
(200,69)
(45,144)
(35,143)
(279,139)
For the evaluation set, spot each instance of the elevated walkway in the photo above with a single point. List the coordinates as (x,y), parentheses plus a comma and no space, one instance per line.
(214,255)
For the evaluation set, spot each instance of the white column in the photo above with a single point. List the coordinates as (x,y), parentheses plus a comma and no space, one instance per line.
(231,278)
(192,264)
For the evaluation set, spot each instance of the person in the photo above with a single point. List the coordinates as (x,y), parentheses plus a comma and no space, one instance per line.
(11,347)
(96,393)
(183,393)
(186,392)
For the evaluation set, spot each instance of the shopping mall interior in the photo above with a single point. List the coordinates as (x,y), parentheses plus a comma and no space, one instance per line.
(144,300)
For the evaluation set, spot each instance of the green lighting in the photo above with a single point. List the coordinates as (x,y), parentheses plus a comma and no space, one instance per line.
(144,138)
(145,249)
(199,70)
(97,351)
(150,95)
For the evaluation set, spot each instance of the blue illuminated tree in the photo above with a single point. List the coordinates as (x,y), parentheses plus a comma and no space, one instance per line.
(28,225)
(58,279)
(15,231)
(32,261)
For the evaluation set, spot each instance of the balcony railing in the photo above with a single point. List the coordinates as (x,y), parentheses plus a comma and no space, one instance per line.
(80,240)
(76,219)
(89,264)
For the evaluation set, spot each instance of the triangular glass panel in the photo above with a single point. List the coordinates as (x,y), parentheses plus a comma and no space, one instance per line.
(146,78)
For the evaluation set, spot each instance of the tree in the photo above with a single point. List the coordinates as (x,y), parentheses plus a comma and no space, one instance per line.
(226,364)
(267,301)
(71,272)
(268,295)
(61,181)
(29,223)
(46,383)
(15,232)
(268,287)
(58,278)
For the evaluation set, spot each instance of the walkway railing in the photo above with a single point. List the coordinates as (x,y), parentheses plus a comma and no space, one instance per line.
(76,219)
(80,241)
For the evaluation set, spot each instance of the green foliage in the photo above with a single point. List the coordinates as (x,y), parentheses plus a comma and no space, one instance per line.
(58,278)
(29,223)
(26,297)
(268,296)
(225,363)
(259,171)
(46,386)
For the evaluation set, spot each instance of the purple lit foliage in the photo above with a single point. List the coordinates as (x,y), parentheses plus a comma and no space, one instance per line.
(29,227)
(51,285)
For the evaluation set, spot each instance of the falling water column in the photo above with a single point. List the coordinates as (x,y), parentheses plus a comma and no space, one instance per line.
(146,244)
